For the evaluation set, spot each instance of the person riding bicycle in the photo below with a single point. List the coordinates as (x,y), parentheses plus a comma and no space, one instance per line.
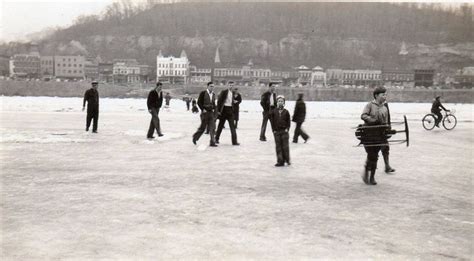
(435,109)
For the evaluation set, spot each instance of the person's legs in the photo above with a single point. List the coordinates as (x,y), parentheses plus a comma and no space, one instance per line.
(264,126)
(279,149)
(95,122)
(220,126)
(371,165)
(303,133)
(212,127)
(201,128)
(439,117)
(88,120)
(286,147)
(297,132)
(385,154)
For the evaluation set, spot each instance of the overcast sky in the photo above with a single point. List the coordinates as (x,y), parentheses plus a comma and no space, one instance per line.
(19,18)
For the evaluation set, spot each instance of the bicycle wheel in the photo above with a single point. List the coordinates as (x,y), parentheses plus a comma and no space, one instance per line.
(429,121)
(449,122)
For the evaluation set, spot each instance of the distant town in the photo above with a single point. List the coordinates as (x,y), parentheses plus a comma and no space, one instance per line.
(180,71)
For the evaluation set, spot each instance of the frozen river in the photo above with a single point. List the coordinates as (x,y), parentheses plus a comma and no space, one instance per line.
(68,194)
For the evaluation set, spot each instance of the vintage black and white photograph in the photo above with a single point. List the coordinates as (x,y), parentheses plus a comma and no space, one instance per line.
(236,130)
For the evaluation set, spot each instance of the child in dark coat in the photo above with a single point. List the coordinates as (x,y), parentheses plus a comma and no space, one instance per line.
(281,125)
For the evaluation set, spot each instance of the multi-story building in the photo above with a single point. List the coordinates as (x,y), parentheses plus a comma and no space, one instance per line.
(304,75)
(464,78)
(335,76)
(47,67)
(318,77)
(392,77)
(4,65)
(106,72)
(172,69)
(200,75)
(69,67)
(129,71)
(25,66)
(424,77)
(91,69)
(362,77)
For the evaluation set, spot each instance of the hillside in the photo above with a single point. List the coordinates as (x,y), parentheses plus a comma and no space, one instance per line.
(278,35)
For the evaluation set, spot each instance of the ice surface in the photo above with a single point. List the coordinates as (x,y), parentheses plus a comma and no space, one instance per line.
(114,195)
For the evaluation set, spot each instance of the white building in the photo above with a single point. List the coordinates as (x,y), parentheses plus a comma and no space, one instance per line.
(172,69)
(362,77)
(318,77)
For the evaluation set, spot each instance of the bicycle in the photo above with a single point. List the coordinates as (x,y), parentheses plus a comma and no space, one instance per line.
(449,120)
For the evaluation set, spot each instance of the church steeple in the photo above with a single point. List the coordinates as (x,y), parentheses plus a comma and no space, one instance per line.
(217,58)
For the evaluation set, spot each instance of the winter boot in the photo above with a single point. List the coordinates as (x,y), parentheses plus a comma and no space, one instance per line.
(388,168)
(366,172)
(372,174)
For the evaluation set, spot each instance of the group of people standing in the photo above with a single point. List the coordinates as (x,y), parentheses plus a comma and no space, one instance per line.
(225,107)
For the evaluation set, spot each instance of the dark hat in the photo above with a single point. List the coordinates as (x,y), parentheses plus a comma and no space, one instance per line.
(94,82)
(379,90)
(437,97)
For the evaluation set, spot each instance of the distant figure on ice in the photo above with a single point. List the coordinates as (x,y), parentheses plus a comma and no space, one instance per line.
(167,99)
(154,102)
(299,116)
(225,110)
(374,113)
(435,109)
(207,104)
(91,96)
(268,103)
(237,102)
(187,99)
(195,108)
(281,126)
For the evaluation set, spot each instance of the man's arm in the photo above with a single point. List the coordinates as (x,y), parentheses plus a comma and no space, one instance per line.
(85,99)
(442,107)
(366,115)
(263,101)
(200,101)
(149,101)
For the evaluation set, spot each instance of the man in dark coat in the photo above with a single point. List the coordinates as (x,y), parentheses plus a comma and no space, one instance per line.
(435,109)
(154,102)
(299,116)
(91,96)
(281,126)
(268,103)
(167,99)
(207,104)
(187,99)
(225,110)
(237,102)
(195,108)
